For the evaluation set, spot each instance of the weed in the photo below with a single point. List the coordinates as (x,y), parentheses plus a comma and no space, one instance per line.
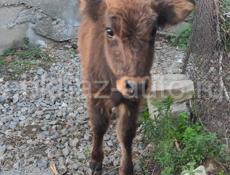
(182,39)
(17,60)
(1,62)
(221,173)
(179,144)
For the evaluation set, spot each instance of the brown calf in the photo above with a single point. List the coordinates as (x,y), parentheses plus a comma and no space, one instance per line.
(116,42)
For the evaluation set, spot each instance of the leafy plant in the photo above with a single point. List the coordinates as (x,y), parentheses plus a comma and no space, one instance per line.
(182,38)
(179,144)
(25,51)
(25,56)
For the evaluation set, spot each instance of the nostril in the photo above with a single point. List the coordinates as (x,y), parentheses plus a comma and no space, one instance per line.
(146,84)
(128,85)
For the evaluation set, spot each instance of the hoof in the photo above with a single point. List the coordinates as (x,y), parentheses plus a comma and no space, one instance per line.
(96,168)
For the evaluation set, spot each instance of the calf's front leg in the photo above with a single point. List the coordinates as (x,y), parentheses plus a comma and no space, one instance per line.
(126,131)
(99,121)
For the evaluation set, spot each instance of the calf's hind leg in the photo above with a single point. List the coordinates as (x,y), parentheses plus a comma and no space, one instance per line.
(126,131)
(99,121)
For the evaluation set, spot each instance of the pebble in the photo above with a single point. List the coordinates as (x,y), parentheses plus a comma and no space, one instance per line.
(65,151)
(15,98)
(2,150)
(42,164)
(2,99)
(73,142)
(40,71)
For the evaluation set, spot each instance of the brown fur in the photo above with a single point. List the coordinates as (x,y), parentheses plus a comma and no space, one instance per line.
(109,61)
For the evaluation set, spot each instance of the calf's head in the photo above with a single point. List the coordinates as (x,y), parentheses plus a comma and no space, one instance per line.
(129,32)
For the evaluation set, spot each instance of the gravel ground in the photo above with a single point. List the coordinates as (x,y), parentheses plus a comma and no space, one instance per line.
(43,119)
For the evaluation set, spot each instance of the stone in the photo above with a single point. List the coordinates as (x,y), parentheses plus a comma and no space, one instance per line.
(40,71)
(2,99)
(12,125)
(65,151)
(198,171)
(41,44)
(175,85)
(13,34)
(21,118)
(73,142)
(31,170)
(18,18)
(54,31)
(42,164)
(178,108)
(2,150)
(15,98)
(62,165)
(8,15)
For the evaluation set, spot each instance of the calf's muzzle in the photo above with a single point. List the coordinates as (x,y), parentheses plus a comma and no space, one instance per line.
(133,87)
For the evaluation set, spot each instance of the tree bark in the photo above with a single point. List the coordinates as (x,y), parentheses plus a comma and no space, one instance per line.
(208,65)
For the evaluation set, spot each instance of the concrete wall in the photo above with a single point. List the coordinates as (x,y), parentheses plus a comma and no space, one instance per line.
(39,20)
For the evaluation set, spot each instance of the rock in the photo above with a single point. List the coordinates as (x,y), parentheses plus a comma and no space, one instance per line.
(41,44)
(16,165)
(42,164)
(65,151)
(73,142)
(40,71)
(15,98)
(2,150)
(80,156)
(62,167)
(178,108)
(2,99)
(21,118)
(12,125)
(199,171)
(30,170)
(55,31)
(174,85)
(14,34)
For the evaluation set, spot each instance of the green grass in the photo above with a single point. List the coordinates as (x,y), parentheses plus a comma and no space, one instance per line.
(179,144)
(182,38)
(1,62)
(15,61)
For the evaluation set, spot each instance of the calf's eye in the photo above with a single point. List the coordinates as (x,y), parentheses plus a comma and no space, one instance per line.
(109,32)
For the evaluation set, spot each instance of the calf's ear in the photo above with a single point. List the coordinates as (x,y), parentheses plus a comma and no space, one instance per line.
(91,8)
(171,12)
(82,5)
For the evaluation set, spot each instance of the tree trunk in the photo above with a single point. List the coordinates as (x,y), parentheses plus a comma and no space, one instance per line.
(208,65)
